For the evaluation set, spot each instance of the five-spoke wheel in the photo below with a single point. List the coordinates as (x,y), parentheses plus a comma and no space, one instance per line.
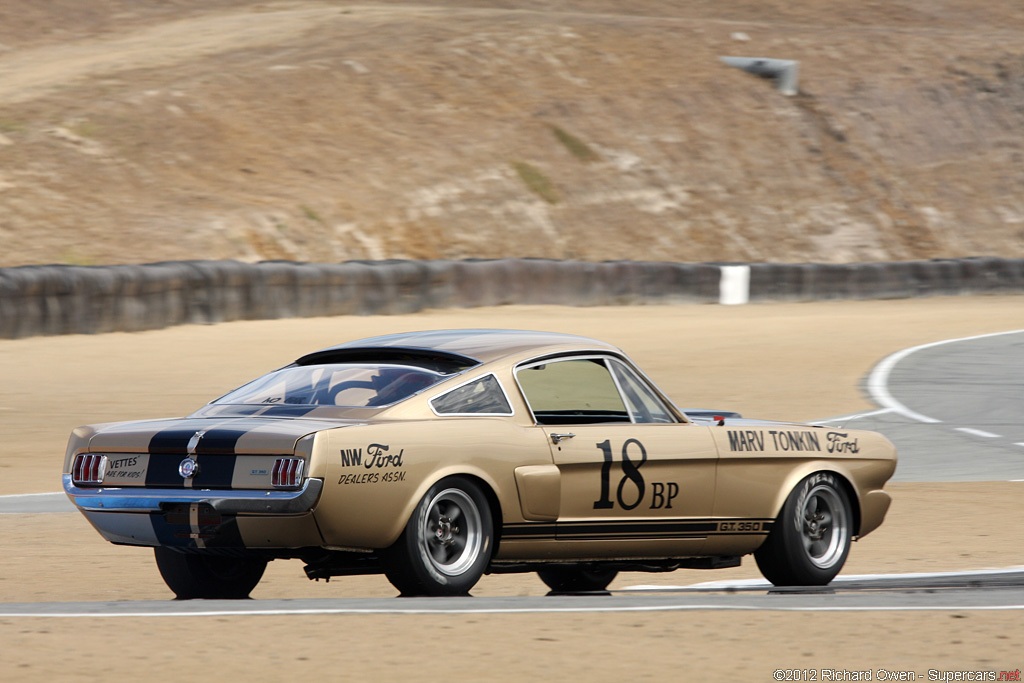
(811,537)
(446,544)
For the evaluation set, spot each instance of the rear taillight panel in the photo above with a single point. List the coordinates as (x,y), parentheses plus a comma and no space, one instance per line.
(89,469)
(287,473)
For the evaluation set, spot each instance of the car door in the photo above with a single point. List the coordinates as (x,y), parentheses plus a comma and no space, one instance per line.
(634,478)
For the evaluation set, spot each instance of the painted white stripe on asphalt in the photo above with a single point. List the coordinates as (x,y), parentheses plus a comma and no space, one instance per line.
(734,285)
(30,495)
(759,583)
(38,503)
(854,416)
(977,432)
(878,381)
(505,610)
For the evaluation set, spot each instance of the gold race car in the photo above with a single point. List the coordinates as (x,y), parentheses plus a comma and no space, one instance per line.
(436,457)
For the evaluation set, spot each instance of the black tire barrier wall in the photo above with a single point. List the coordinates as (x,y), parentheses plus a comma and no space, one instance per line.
(894,280)
(50,300)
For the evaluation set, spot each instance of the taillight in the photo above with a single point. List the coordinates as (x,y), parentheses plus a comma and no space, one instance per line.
(287,472)
(89,468)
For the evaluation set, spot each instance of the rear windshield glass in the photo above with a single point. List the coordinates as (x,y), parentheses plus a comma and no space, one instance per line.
(358,385)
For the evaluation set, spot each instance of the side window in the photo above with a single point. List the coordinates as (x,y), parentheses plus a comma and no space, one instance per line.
(643,402)
(479,397)
(577,391)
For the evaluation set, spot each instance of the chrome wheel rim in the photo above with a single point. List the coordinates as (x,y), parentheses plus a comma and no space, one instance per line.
(451,533)
(823,526)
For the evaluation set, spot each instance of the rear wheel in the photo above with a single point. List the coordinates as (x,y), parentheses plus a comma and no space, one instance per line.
(810,539)
(577,578)
(212,577)
(446,544)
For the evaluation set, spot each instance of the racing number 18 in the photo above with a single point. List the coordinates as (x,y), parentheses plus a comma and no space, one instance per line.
(630,474)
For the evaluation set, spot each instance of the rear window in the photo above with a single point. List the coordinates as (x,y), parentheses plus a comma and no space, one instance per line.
(356,385)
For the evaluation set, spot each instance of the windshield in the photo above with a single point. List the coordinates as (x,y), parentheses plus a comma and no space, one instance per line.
(358,385)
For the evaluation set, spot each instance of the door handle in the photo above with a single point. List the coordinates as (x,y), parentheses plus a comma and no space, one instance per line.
(559,438)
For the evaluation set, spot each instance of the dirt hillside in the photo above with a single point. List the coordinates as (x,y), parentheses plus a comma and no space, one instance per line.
(142,130)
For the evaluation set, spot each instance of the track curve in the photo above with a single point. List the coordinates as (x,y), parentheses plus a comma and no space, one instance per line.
(952,408)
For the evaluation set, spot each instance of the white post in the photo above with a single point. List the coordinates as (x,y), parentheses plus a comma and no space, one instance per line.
(734,287)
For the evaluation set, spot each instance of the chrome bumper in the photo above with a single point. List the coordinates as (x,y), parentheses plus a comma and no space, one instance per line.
(142,500)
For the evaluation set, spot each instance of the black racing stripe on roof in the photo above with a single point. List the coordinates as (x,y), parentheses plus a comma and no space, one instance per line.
(230,410)
(287,411)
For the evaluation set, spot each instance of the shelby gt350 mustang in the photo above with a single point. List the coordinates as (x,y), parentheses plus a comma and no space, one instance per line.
(435,457)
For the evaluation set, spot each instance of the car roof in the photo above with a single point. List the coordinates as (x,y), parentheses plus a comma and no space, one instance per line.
(481,345)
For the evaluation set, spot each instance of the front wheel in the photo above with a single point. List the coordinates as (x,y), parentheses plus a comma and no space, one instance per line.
(810,539)
(447,543)
(212,577)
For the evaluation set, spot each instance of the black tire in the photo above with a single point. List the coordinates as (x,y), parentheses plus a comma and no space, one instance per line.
(810,539)
(212,577)
(447,543)
(577,578)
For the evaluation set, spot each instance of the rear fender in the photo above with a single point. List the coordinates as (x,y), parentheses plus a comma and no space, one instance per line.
(487,484)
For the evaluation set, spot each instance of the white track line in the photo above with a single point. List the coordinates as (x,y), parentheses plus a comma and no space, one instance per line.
(977,432)
(507,610)
(854,416)
(759,583)
(878,381)
(30,495)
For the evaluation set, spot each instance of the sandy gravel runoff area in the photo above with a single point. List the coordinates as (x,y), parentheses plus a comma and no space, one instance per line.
(790,361)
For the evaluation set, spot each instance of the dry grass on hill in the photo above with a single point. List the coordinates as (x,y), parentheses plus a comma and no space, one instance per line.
(147,130)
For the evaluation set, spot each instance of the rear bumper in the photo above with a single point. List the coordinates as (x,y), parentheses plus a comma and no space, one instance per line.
(140,500)
(186,518)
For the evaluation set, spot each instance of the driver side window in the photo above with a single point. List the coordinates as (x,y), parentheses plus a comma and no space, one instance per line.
(574,391)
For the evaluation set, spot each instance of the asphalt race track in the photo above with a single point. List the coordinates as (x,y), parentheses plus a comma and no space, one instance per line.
(951,408)
(993,590)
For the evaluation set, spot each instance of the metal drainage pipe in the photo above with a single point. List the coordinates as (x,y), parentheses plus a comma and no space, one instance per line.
(785,72)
